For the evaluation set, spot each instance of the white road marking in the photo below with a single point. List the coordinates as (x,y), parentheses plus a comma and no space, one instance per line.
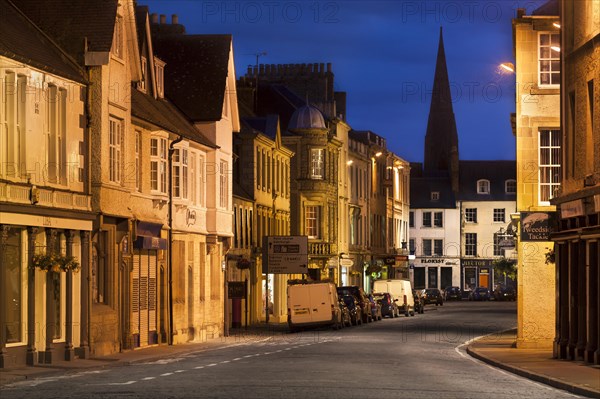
(166,374)
(237,358)
(180,371)
(226,361)
(148,378)
(212,364)
(199,367)
(122,383)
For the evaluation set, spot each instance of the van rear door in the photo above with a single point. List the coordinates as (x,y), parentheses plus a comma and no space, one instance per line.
(320,300)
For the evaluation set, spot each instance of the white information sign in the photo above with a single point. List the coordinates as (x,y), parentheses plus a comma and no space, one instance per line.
(285,254)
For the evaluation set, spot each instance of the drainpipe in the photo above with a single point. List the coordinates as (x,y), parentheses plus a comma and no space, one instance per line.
(170,235)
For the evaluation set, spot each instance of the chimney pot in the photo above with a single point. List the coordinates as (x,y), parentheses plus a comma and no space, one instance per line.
(329,67)
(521,12)
(322,68)
(154,18)
(175,19)
(163,19)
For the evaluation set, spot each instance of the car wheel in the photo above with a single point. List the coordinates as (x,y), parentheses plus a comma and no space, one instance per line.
(407,314)
(412,313)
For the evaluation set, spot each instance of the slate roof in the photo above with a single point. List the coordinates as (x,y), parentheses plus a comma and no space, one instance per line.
(421,188)
(23,41)
(70,22)
(196,72)
(162,113)
(497,172)
(238,191)
(265,125)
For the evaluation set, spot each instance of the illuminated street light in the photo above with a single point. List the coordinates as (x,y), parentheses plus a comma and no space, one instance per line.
(556,25)
(508,66)
(350,162)
(378,154)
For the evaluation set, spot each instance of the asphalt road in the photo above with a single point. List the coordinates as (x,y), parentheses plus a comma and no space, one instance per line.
(414,357)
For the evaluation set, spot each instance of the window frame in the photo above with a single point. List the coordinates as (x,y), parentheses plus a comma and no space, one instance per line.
(483,186)
(115,149)
(312,213)
(552,184)
(506,186)
(317,164)
(435,219)
(158,184)
(223,184)
(429,218)
(470,244)
(497,212)
(549,59)
(471,215)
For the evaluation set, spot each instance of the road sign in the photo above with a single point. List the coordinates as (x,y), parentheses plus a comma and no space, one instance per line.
(346,262)
(285,254)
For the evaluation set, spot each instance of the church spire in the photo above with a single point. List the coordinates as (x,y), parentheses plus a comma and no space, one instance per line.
(441,139)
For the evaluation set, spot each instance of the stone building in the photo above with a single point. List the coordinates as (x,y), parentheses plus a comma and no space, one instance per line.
(577,252)
(539,163)
(262,170)
(207,97)
(45,202)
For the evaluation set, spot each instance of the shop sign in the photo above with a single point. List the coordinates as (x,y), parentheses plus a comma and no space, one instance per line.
(537,226)
(477,262)
(432,260)
(571,209)
(401,258)
(390,260)
(236,289)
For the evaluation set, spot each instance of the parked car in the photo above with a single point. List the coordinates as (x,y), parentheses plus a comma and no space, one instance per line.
(400,289)
(346,316)
(419,302)
(389,308)
(311,305)
(480,294)
(502,293)
(452,293)
(375,308)
(363,301)
(356,317)
(432,295)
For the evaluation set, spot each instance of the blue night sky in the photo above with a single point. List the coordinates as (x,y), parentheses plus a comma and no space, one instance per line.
(383,55)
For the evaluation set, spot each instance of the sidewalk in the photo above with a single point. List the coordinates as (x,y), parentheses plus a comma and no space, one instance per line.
(536,364)
(257,333)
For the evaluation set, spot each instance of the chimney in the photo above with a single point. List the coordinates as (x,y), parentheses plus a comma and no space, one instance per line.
(521,12)
(329,67)
(163,19)
(154,18)
(174,19)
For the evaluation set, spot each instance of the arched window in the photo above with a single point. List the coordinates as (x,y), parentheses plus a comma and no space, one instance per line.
(483,186)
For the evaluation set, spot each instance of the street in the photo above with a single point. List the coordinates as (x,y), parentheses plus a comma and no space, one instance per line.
(406,357)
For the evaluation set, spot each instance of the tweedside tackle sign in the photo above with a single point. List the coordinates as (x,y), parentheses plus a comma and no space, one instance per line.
(537,226)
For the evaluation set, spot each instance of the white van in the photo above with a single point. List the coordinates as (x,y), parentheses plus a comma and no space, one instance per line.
(401,291)
(313,304)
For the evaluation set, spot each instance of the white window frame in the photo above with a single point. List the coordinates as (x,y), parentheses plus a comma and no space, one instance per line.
(499,215)
(471,215)
(180,173)
(427,247)
(193,177)
(483,186)
(470,244)
(554,56)
(159,73)
(507,184)
(138,165)
(312,216)
(115,149)
(441,215)
(435,196)
(430,219)
(143,81)
(435,242)
(158,165)
(552,151)
(223,184)
(317,163)
(201,181)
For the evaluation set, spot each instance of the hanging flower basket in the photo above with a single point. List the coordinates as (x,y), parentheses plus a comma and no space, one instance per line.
(55,263)
(243,264)
(375,268)
(550,256)
(354,273)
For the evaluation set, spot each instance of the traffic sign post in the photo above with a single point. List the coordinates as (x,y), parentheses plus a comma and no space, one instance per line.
(285,255)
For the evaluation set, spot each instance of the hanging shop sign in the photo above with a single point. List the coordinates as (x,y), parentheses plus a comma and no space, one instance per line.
(537,226)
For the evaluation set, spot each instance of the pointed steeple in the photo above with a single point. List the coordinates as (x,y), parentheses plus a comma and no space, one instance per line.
(441,139)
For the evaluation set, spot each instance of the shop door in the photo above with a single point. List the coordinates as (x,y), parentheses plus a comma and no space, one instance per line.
(419,278)
(484,280)
(446,277)
(432,277)
(143,297)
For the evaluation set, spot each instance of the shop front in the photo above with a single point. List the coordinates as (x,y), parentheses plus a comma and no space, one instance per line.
(435,272)
(477,273)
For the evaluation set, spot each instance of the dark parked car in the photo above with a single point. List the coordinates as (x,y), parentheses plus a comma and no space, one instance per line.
(419,302)
(388,304)
(363,301)
(375,308)
(346,316)
(356,316)
(480,294)
(502,293)
(432,295)
(452,293)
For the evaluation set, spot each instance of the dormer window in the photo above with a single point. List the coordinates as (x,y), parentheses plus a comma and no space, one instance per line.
(435,195)
(159,72)
(510,186)
(142,82)
(483,186)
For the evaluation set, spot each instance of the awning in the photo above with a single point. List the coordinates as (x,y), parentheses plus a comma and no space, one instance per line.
(148,236)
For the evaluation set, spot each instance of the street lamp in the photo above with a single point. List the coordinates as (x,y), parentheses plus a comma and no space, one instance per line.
(508,66)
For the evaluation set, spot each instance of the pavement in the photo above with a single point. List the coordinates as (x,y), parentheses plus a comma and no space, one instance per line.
(497,350)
